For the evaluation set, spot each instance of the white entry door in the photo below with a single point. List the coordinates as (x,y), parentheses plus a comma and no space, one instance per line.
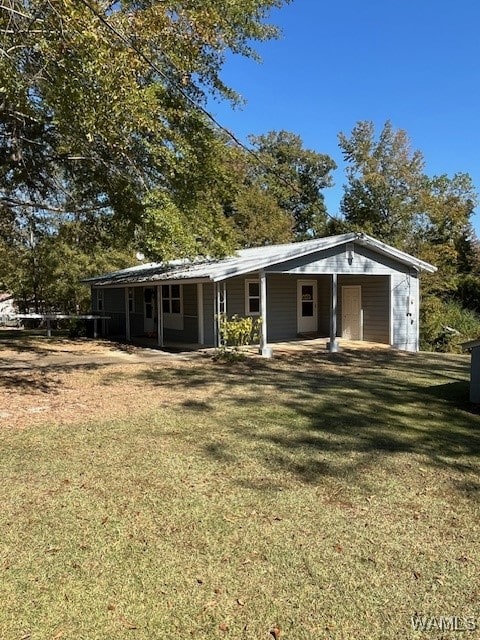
(352,312)
(307,315)
(149,310)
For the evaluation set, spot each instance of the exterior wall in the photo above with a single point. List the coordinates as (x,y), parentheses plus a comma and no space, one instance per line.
(405,311)
(114,308)
(281,303)
(137,327)
(336,260)
(324,293)
(282,306)
(208,313)
(189,333)
(375,306)
(236,296)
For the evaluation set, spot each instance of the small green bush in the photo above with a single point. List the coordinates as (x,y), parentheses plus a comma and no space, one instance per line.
(438,319)
(239,331)
(77,328)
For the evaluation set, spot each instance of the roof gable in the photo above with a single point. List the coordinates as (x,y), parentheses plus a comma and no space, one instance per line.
(249,260)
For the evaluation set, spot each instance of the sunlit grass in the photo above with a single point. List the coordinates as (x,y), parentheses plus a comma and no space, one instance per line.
(333,498)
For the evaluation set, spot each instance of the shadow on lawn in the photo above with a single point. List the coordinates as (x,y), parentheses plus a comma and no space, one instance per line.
(342,411)
(38,379)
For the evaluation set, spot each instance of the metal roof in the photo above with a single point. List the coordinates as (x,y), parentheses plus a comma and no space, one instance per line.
(247,261)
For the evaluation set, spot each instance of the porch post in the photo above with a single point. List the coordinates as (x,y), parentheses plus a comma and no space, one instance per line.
(333,344)
(201,326)
(127,316)
(159,316)
(265,350)
(216,318)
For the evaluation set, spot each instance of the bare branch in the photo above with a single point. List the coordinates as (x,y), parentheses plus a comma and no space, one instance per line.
(47,207)
(15,11)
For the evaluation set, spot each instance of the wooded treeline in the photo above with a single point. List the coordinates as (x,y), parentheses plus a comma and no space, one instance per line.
(106,150)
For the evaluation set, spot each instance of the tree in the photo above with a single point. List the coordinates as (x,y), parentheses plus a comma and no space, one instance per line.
(259,220)
(385,181)
(444,235)
(44,269)
(97,105)
(295,178)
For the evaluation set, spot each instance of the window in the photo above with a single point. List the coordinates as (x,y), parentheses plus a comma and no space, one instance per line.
(252,297)
(149,300)
(100,299)
(131,301)
(171,299)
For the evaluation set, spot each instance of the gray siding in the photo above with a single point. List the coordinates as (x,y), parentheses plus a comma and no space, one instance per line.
(236,296)
(137,327)
(208,313)
(281,303)
(114,308)
(336,260)
(375,306)
(404,292)
(324,293)
(189,333)
(281,307)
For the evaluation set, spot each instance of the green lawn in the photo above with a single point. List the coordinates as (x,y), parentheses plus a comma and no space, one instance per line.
(332,497)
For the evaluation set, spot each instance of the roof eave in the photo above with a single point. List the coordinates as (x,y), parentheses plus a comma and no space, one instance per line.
(258,265)
(396,254)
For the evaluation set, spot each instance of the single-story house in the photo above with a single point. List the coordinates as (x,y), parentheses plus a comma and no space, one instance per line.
(350,285)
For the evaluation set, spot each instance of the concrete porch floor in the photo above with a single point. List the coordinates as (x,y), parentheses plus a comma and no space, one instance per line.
(289,346)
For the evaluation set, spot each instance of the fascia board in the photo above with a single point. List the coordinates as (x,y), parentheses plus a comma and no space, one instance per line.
(396,254)
(256,264)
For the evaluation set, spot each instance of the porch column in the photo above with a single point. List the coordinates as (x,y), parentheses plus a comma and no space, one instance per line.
(216,315)
(159,316)
(201,326)
(265,350)
(127,315)
(333,344)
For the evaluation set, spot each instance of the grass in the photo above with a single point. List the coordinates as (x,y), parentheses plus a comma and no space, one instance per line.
(330,496)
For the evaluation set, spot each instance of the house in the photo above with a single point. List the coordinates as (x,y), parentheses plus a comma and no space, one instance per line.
(351,286)
(8,308)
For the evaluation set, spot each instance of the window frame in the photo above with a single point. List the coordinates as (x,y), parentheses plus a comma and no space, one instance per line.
(100,300)
(131,300)
(249,297)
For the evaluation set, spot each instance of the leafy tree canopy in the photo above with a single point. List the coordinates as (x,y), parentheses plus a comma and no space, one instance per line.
(295,177)
(96,107)
(384,181)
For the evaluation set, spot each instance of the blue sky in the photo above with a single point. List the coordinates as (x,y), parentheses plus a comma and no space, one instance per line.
(416,63)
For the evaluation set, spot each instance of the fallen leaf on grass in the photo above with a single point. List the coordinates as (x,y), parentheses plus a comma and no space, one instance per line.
(223,626)
(240,602)
(275,632)
(126,623)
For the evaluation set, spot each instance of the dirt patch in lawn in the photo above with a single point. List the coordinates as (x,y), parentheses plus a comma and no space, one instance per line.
(66,381)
